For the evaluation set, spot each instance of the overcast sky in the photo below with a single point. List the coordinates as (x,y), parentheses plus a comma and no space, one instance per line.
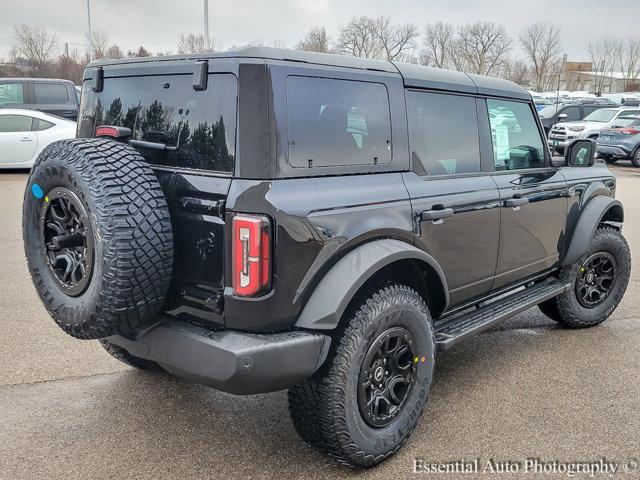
(156,24)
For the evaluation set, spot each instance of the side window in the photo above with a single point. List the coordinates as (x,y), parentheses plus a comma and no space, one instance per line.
(11,93)
(517,143)
(588,110)
(50,93)
(15,123)
(572,113)
(334,122)
(443,132)
(39,125)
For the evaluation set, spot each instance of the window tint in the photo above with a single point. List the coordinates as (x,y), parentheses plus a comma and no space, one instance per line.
(517,143)
(443,133)
(11,93)
(15,123)
(198,126)
(337,122)
(39,125)
(50,93)
(572,113)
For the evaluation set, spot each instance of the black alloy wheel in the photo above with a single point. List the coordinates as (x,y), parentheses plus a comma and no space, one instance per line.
(386,377)
(67,238)
(595,279)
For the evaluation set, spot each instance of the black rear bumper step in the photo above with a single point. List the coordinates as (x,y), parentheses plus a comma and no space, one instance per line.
(231,361)
(450,332)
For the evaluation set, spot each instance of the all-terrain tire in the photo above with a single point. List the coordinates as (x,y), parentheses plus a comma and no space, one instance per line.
(566,309)
(325,410)
(127,223)
(122,355)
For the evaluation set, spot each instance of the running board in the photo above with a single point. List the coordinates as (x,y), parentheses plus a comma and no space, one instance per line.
(450,332)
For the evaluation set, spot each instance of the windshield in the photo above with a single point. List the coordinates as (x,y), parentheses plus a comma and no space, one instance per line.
(602,115)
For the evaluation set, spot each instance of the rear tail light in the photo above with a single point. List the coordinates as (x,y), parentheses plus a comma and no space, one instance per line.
(113,132)
(630,131)
(251,255)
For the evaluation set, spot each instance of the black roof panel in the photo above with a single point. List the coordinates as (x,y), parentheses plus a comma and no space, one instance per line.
(437,78)
(413,75)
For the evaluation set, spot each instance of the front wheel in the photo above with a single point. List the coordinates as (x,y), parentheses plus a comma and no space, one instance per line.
(367,398)
(609,159)
(598,282)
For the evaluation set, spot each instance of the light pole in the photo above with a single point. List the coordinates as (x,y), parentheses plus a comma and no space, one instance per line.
(206,24)
(89,24)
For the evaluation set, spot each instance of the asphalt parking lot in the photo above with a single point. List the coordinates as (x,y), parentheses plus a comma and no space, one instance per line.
(524,389)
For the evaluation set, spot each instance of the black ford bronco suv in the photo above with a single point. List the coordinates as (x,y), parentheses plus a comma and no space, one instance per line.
(267,219)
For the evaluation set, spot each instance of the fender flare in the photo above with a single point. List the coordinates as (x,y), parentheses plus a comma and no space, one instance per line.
(586,227)
(337,288)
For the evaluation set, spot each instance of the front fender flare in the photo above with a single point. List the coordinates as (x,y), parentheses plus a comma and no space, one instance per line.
(589,220)
(337,288)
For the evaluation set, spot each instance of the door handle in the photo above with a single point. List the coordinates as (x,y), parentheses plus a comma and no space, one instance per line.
(26,139)
(68,112)
(436,214)
(517,201)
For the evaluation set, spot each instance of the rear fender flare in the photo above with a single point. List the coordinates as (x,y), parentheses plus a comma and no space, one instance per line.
(589,221)
(337,288)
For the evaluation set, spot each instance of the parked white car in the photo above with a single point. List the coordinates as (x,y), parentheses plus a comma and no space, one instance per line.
(25,133)
(564,133)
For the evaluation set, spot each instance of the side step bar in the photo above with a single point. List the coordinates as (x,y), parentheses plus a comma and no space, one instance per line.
(451,331)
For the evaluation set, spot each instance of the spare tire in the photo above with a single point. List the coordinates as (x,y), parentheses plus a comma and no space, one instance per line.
(97,236)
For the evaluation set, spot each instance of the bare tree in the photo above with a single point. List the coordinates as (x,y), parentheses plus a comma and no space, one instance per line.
(605,55)
(114,52)
(484,46)
(438,40)
(141,52)
(36,45)
(98,43)
(359,39)
(630,62)
(315,40)
(194,43)
(542,45)
(397,42)
(517,71)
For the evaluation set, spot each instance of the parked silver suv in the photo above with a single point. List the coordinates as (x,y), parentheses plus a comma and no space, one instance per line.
(562,134)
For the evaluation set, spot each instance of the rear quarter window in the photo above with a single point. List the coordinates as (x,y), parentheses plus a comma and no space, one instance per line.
(50,93)
(190,129)
(333,122)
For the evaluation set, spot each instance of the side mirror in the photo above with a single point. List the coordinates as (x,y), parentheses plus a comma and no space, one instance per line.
(562,116)
(580,153)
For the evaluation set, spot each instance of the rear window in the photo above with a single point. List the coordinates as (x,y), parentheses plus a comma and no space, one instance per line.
(443,132)
(337,122)
(185,128)
(50,93)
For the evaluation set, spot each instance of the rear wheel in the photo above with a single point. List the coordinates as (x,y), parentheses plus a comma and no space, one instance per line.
(598,282)
(367,398)
(635,158)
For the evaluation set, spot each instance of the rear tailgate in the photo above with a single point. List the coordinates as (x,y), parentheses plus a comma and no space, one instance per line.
(188,136)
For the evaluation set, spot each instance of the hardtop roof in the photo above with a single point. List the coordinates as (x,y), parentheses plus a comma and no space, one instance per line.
(413,75)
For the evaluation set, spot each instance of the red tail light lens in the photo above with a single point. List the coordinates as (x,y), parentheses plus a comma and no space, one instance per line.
(113,132)
(251,255)
(630,131)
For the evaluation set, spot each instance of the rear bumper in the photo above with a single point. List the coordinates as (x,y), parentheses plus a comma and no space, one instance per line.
(615,151)
(230,361)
